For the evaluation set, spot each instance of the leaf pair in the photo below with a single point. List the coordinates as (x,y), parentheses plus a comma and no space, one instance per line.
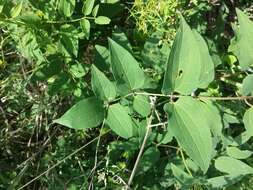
(189,65)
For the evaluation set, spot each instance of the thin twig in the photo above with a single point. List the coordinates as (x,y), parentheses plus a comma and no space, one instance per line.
(61,161)
(96,157)
(148,129)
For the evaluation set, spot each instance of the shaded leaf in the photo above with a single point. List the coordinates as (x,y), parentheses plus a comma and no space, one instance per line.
(181,176)
(148,160)
(85,114)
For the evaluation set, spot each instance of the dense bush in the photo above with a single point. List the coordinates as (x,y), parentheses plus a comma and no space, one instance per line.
(162,110)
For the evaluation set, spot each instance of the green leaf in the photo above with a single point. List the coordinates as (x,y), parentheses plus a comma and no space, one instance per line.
(248,121)
(85,25)
(85,114)
(120,38)
(119,121)
(141,105)
(247,85)
(236,153)
(102,57)
(232,166)
(125,68)
(88,6)
(214,117)
(77,70)
(242,44)
(102,20)
(191,129)
(184,64)
(95,10)
(148,160)
(16,10)
(66,7)
(103,88)
(207,65)
(181,176)
(217,183)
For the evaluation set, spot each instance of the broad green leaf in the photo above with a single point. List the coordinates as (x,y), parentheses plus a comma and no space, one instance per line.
(236,153)
(141,105)
(16,10)
(148,160)
(232,166)
(217,183)
(207,65)
(102,20)
(191,129)
(66,7)
(248,121)
(119,121)
(184,64)
(214,117)
(85,25)
(247,85)
(85,114)
(242,44)
(103,88)
(120,38)
(182,177)
(125,68)
(88,6)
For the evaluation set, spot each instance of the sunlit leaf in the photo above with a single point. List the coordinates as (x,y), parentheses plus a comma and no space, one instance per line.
(184,64)
(103,88)
(85,114)
(232,166)
(119,121)
(191,129)
(248,121)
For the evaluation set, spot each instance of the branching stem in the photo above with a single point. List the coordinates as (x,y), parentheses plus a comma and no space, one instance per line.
(148,129)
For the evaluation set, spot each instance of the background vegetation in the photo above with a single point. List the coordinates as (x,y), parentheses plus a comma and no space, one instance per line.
(47,49)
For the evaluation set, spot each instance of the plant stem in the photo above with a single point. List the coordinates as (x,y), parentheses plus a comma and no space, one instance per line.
(201,97)
(148,129)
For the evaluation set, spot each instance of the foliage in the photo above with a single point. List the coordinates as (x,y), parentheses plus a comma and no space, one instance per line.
(145,114)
